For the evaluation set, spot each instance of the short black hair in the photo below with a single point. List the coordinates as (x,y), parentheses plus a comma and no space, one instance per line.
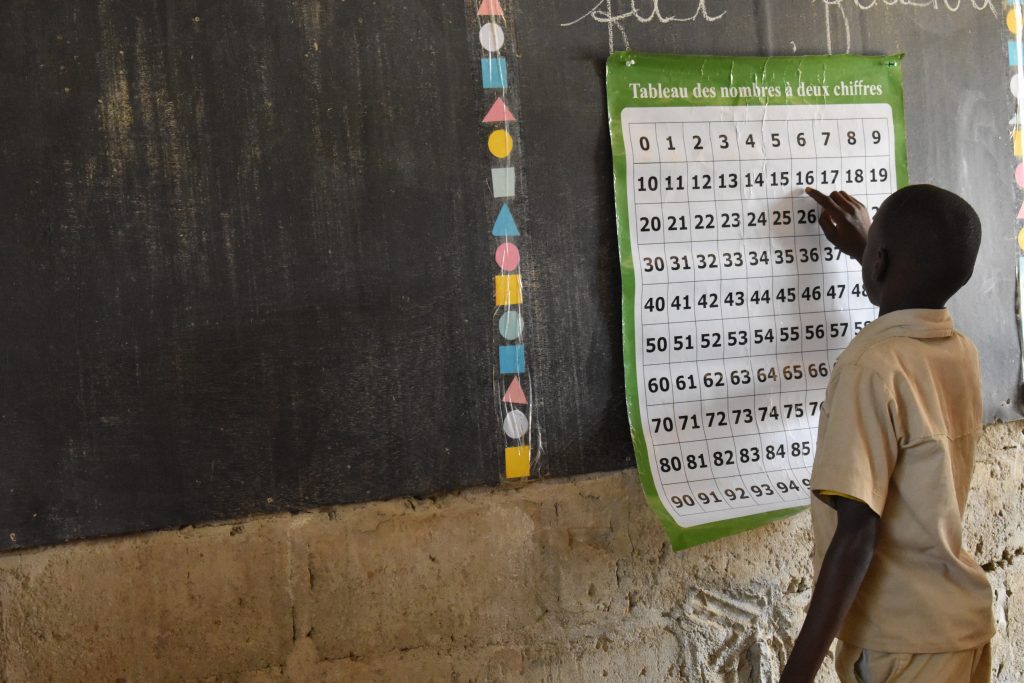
(936,232)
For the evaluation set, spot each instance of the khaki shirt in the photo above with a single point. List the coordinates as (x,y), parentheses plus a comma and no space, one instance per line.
(898,429)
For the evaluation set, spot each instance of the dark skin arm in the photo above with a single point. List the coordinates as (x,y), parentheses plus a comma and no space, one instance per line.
(846,562)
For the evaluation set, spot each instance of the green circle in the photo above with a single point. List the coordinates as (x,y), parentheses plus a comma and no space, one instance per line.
(510,325)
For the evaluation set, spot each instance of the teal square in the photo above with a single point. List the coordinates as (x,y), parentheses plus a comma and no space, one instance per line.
(512,359)
(495,72)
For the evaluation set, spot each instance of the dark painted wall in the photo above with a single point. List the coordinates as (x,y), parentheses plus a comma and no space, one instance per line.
(245,253)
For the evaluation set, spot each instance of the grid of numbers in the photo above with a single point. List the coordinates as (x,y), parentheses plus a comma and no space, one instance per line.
(741,306)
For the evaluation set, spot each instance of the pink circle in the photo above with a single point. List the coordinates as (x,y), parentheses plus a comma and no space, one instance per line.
(1019,175)
(507,256)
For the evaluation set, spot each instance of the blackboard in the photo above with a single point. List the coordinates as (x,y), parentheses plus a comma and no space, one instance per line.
(245,248)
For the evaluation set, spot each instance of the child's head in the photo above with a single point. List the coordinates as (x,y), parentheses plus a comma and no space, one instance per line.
(921,248)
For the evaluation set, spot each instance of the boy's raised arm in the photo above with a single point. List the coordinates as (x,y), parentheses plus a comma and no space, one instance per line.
(842,571)
(844,220)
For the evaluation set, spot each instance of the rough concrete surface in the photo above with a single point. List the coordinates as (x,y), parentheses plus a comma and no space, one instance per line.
(568,580)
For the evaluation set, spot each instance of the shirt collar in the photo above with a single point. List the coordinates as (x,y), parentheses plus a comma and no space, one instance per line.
(917,323)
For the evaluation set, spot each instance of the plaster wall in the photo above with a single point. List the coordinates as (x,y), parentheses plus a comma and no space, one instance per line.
(567,580)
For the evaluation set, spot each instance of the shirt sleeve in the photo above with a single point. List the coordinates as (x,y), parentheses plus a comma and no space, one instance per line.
(823,494)
(857,444)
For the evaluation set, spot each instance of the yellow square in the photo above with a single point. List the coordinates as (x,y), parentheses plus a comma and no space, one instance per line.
(1018,148)
(508,290)
(517,462)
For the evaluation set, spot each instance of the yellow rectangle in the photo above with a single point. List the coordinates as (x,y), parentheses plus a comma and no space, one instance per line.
(1018,148)
(517,462)
(508,290)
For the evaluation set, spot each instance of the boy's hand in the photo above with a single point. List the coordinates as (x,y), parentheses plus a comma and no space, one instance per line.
(844,220)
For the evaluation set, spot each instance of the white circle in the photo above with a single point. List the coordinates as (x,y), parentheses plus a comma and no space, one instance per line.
(516,424)
(1015,85)
(491,36)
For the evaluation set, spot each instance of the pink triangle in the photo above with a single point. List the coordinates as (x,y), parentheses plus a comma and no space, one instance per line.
(490,8)
(515,393)
(498,112)
(1020,214)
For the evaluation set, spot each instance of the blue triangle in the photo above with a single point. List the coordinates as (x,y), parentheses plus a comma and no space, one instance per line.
(504,224)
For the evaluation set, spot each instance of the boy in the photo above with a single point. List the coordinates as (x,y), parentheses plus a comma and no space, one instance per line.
(895,453)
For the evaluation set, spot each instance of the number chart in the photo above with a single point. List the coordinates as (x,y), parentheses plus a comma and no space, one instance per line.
(739,306)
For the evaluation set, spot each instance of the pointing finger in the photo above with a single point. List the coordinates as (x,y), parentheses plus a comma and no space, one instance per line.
(823,200)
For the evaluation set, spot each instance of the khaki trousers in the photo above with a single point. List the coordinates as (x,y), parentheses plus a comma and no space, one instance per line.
(856,665)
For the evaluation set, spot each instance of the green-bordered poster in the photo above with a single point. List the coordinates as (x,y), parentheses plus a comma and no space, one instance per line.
(735,307)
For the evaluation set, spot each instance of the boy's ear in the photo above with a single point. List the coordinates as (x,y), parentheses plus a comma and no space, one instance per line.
(880,268)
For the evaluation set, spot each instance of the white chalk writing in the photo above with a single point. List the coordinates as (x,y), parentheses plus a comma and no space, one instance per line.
(617,15)
(840,6)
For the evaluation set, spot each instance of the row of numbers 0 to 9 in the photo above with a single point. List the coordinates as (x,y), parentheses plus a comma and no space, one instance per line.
(735,377)
(733,141)
(742,455)
(739,337)
(752,298)
(740,416)
(653,183)
(729,219)
(712,495)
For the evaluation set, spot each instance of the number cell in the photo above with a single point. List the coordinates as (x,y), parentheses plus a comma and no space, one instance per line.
(657,384)
(722,452)
(685,342)
(703,221)
(826,138)
(689,428)
(709,340)
(686,382)
(679,262)
(681,501)
(649,224)
(743,416)
(749,453)
(814,332)
(876,138)
(808,255)
(760,297)
(758,257)
(661,424)
(675,222)
(723,137)
(753,179)
(781,222)
(670,144)
(642,138)
(737,337)
(701,182)
(653,268)
(801,139)
(697,140)
(654,304)
(778,178)
(674,182)
(669,466)
(755,218)
(749,139)
(853,176)
(776,140)
(707,300)
(851,137)
(727,180)
(679,302)
(811,289)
